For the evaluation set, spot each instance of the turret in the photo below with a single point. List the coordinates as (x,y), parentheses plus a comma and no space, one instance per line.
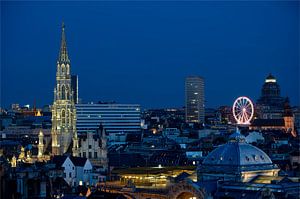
(41,145)
(75,149)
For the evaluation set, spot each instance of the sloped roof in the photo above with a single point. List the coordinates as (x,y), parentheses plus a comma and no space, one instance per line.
(78,161)
(59,160)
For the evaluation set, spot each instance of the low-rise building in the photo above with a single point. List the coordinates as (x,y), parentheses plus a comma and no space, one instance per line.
(255,136)
(77,170)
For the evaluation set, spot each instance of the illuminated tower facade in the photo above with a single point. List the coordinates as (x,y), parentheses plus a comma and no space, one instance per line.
(63,109)
(41,145)
(194,99)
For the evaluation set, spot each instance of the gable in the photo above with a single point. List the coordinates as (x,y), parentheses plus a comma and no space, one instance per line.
(88,165)
(68,164)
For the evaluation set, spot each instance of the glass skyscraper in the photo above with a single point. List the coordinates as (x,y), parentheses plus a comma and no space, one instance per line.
(194,99)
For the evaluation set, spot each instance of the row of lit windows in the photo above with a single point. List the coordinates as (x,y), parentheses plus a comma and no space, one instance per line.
(108,121)
(89,155)
(108,127)
(107,116)
(107,108)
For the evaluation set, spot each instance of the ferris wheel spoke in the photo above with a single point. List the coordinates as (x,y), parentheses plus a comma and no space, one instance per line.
(239,103)
(241,117)
(248,111)
(246,117)
(248,105)
(249,114)
(243,102)
(239,113)
(238,109)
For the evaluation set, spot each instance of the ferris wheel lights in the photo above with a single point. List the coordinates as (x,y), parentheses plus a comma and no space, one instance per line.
(243,110)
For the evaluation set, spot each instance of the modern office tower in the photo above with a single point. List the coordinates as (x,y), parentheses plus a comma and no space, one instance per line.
(194,99)
(63,109)
(115,118)
(74,86)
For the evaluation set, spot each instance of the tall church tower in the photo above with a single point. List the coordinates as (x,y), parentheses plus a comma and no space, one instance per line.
(63,109)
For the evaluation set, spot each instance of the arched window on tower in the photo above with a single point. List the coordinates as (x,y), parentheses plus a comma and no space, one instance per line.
(67,93)
(67,69)
(63,92)
(62,68)
(70,118)
(63,117)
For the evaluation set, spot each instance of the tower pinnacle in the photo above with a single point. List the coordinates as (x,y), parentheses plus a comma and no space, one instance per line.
(63,54)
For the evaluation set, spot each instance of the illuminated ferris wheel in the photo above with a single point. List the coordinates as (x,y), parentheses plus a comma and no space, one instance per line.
(243,110)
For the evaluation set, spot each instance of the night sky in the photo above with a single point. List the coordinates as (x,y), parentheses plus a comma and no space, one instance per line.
(141,52)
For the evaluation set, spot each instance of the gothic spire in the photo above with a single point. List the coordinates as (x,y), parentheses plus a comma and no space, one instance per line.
(63,54)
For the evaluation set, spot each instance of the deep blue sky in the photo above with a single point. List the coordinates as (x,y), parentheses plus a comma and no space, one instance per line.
(141,52)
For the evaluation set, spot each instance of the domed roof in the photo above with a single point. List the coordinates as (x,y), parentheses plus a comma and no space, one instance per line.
(270,79)
(237,153)
(270,76)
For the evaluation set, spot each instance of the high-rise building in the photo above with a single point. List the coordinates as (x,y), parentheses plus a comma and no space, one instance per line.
(63,109)
(270,104)
(270,92)
(115,118)
(194,99)
(74,86)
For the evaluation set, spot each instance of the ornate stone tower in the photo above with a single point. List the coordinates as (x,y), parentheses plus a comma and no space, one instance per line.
(41,145)
(103,156)
(63,109)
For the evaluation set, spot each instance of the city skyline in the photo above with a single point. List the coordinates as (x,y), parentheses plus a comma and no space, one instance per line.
(127,80)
